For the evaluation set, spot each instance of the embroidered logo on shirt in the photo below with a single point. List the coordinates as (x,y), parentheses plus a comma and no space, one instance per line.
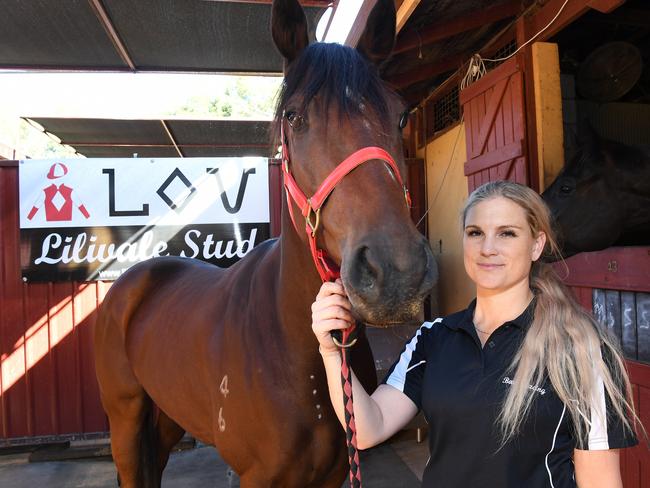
(538,389)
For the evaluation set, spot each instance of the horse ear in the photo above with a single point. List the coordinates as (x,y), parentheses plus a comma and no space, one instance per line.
(378,38)
(289,29)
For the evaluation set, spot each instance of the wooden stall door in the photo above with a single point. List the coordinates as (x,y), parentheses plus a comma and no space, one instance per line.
(495,126)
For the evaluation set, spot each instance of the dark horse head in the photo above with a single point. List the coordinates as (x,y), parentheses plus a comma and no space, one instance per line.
(602,196)
(333,103)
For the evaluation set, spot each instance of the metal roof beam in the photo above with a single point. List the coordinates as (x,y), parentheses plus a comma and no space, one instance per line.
(171,138)
(105,20)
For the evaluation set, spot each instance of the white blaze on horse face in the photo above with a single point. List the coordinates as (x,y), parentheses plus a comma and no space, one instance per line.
(223,387)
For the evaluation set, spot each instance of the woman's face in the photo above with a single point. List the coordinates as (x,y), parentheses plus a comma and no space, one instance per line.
(498,245)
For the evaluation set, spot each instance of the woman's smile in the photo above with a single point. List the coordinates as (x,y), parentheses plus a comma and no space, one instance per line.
(489,266)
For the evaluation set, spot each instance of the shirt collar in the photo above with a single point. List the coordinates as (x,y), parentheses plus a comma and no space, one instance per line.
(465,319)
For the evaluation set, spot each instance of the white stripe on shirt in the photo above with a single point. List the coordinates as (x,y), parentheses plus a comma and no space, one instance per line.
(598,439)
(397,378)
(548,470)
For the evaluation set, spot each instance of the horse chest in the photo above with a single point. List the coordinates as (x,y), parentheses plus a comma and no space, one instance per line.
(290,421)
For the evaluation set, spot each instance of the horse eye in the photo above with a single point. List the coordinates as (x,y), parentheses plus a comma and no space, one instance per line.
(295,121)
(565,189)
(403,119)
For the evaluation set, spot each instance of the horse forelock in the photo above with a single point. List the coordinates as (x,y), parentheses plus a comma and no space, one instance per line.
(341,77)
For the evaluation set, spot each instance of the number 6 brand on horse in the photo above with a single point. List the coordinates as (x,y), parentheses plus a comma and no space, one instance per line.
(228,354)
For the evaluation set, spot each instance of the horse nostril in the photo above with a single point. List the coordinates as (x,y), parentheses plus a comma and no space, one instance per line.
(365,272)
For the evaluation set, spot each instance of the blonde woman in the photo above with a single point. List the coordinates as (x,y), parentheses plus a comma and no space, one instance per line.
(521,389)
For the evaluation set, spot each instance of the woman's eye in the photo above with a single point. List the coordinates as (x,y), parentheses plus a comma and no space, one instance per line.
(473,233)
(508,233)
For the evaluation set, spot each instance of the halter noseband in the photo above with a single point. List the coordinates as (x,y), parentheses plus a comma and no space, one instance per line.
(311,207)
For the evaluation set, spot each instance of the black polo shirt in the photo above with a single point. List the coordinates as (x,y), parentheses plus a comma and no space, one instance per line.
(460,387)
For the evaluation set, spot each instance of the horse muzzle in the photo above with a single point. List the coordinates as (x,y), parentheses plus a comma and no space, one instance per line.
(386,284)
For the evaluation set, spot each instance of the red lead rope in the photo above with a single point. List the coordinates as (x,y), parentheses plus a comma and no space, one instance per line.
(348,409)
(328,271)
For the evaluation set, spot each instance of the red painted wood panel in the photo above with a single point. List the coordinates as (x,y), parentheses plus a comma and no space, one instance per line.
(635,462)
(47,372)
(12,350)
(616,268)
(619,268)
(495,126)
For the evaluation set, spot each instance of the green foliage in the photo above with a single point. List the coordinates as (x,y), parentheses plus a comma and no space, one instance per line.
(242,98)
(29,142)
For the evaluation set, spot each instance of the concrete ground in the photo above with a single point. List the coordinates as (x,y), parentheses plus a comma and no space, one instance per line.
(398,464)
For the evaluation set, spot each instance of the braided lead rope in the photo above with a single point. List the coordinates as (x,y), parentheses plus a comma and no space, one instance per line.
(348,408)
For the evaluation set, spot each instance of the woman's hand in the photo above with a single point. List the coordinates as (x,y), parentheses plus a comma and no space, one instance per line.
(330,311)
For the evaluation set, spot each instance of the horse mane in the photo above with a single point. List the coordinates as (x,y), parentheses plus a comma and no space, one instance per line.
(340,75)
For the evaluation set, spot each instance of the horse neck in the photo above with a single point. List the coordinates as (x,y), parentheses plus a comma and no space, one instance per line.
(298,280)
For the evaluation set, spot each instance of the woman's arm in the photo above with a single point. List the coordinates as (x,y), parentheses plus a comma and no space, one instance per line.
(377,416)
(597,469)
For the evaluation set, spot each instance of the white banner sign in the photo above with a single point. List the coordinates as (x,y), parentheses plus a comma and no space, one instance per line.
(93,218)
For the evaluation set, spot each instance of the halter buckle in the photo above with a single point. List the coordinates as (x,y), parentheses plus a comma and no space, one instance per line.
(310,211)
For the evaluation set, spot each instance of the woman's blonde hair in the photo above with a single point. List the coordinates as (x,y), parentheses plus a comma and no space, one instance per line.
(564,343)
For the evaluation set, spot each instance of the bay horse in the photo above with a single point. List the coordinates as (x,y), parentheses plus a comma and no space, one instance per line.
(228,355)
(601,197)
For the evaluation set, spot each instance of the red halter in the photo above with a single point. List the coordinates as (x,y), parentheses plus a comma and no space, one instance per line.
(309,207)
(328,271)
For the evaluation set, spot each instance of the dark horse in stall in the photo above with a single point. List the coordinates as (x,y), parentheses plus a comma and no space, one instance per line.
(228,354)
(601,197)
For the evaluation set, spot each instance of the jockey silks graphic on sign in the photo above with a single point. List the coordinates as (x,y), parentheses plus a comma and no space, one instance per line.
(57,198)
(86,219)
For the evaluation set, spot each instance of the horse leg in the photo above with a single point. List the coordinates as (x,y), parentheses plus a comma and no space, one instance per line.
(134,442)
(169,433)
(129,410)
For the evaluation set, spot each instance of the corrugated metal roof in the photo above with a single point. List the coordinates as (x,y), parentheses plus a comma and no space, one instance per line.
(149,138)
(157,35)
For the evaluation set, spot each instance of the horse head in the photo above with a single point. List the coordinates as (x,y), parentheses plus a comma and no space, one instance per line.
(333,104)
(595,198)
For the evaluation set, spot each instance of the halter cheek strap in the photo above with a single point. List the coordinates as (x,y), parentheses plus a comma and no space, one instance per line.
(311,207)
